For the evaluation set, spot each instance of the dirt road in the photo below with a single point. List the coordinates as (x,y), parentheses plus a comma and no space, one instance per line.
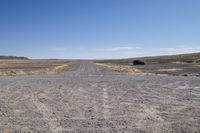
(88,98)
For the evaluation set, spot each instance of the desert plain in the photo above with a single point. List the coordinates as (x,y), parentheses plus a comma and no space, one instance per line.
(92,97)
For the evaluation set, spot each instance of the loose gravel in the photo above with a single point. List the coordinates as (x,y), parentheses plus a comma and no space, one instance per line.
(89,99)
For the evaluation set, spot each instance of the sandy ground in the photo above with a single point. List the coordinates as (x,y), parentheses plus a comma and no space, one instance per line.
(89,99)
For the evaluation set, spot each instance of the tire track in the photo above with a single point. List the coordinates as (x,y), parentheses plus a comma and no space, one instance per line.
(48,115)
(106,112)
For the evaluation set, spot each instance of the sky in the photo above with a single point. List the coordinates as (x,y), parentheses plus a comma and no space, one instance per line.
(98,29)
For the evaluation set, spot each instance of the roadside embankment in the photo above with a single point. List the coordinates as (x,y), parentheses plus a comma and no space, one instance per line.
(33,68)
(119,68)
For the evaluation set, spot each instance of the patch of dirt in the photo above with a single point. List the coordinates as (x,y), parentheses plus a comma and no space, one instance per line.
(119,68)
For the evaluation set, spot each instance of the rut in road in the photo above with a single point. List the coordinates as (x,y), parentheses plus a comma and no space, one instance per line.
(89,98)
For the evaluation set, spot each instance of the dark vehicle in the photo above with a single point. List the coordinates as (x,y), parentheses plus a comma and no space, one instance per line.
(138,62)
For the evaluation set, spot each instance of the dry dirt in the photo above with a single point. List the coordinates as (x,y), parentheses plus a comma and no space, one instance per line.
(119,68)
(89,99)
(31,67)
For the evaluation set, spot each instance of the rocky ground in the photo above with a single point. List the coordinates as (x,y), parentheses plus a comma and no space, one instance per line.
(89,99)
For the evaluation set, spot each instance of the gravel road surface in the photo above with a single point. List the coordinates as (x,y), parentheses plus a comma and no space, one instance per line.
(90,99)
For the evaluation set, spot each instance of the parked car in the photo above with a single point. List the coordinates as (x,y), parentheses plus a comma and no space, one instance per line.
(138,62)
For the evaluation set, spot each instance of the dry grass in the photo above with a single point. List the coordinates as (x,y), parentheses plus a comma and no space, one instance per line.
(169,70)
(57,69)
(119,68)
(32,67)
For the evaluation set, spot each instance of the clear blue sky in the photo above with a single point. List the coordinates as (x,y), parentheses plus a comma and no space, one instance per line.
(90,29)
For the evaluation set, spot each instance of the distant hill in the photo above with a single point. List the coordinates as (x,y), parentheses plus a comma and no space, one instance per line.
(184,58)
(13,57)
(179,65)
